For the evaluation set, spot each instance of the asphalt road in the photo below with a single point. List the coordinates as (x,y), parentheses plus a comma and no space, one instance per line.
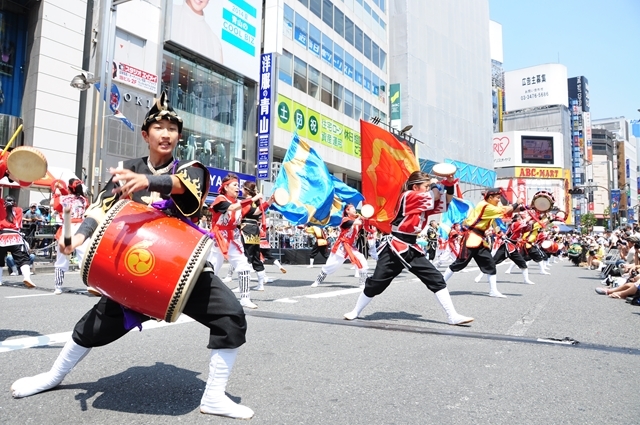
(303,364)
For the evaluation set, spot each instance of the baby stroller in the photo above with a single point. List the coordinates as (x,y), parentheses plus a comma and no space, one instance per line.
(575,253)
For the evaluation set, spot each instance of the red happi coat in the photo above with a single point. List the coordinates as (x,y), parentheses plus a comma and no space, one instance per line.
(412,216)
(346,241)
(225,224)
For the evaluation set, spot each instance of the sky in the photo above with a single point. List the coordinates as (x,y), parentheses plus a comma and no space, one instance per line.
(597,39)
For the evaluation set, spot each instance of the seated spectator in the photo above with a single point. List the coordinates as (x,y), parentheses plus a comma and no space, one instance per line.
(11,264)
(629,284)
(596,256)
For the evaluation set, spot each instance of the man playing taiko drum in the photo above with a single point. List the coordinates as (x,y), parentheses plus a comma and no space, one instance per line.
(211,302)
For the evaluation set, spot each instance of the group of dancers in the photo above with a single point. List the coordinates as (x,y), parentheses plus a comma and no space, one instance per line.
(237,231)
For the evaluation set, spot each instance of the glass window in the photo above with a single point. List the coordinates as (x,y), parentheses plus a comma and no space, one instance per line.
(288,21)
(383,116)
(338,21)
(305,2)
(359,1)
(300,75)
(315,36)
(367,8)
(367,47)
(348,30)
(358,73)
(285,65)
(375,112)
(358,39)
(327,88)
(375,84)
(382,5)
(383,91)
(382,24)
(327,49)
(357,107)
(337,96)
(314,82)
(375,54)
(366,112)
(300,33)
(316,7)
(375,16)
(338,57)
(367,79)
(383,60)
(327,12)
(349,70)
(348,103)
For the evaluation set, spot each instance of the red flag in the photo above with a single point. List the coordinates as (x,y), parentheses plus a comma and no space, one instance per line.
(386,165)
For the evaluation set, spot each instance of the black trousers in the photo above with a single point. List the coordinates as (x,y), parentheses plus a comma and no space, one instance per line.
(252,252)
(389,266)
(482,256)
(266,254)
(534,253)
(322,250)
(431,252)
(211,303)
(18,252)
(502,254)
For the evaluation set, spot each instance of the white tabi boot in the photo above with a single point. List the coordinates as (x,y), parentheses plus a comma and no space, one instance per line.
(479,277)
(542,269)
(229,277)
(319,279)
(278,265)
(362,302)
(261,279)
(70,355)
(453,317)
(525,274)
(26,276)
(508,271)
(447,274)
(493,287)
(310,266)
(245,297)
(215,401)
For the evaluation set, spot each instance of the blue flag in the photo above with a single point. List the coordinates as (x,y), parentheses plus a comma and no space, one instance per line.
(456,212)
(309,183)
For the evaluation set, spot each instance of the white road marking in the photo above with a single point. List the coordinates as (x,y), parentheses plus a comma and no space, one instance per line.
(63,337)
(32,295)
(520,327)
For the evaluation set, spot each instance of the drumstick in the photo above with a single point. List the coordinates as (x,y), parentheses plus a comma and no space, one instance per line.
(12,139)
(66,226)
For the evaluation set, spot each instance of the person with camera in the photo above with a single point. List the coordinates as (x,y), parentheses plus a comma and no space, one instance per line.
(595,256)
(627,289)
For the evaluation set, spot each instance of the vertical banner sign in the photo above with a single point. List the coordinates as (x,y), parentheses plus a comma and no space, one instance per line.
(395,112)
(615,201)
(264,117)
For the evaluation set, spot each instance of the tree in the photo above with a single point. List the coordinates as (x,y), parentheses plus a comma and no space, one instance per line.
(587,221)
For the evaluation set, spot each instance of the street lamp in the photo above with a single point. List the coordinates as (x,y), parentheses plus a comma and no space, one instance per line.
(82,82)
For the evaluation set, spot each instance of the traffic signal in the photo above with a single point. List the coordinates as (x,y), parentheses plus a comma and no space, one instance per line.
(576,191)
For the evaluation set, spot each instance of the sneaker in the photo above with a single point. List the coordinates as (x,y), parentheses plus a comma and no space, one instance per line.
(13,274)
(246,302)
(601,291)
(58,291)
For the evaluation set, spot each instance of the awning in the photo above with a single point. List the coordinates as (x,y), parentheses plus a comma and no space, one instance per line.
(55,173)
(4,182)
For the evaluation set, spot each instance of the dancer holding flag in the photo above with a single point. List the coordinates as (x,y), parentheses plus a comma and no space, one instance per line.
(420,198)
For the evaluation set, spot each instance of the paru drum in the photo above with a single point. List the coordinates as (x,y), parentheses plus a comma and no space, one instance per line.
(145,260)
(542,201)
(26,164)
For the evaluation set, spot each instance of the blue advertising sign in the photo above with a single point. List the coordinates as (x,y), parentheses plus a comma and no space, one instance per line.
(348,70)
(615,201)
(300,36)
(314,46)
(217,174)
(263,159)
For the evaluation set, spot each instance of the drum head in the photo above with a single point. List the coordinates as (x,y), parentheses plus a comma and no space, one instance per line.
(546,244)
(444,170)
(281,196)
(542,203)
(367,211)
(26,164)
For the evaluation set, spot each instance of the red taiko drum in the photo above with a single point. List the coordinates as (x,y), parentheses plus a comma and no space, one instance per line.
(145,260)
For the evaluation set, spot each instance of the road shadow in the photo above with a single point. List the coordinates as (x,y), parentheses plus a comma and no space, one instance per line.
(398,315)
(10,333)
(161,389)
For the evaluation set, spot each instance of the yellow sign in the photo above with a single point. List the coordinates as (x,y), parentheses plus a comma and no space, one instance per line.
(539,173)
